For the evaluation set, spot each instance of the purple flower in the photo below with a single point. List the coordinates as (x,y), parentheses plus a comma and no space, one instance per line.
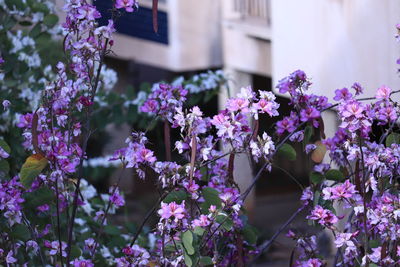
(3,153)
(150,106)
(43,208)
(6,104)
(288,124)
(321,168)
(9,258)
(357,88)
(117,199)
(310,148)
(88,12)
(54,247)
(342,94)
(309,113)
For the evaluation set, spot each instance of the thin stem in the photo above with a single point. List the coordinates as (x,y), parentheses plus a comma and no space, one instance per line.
(33,234)
(258,175)
(364,204)
(84,147)
(147,217)
(290,176)
(58,222)
(264,246)
(167,140)
(100,232)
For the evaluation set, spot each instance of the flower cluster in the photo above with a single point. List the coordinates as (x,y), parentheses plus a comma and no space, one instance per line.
(163,100)
(11,201)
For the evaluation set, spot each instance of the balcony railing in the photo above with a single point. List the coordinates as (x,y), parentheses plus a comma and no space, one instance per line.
(253,9)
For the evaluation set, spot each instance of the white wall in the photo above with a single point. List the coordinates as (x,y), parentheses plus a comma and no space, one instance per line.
(337,42)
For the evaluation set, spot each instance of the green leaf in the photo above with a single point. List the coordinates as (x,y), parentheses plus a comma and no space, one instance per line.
(249,234)
(374,243)
(176,196)
(117,241)
(317,196)
(17,4)
(39,7)
(188,259)
(393,138)
(316,177)
(5,146)
(225,222)
(334,175)
(187,240)
(211,197)
(205,261)
(198,231)
(287,151)
(4,169)
(112,230)
(41,196)
(21,232)
(36,30)
(50,20)
(76,252)
(308,133)
(32,167)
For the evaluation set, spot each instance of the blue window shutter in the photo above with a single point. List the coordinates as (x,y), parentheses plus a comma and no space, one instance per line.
(137,24)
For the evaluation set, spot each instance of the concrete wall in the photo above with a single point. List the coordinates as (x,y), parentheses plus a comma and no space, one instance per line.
(337,42)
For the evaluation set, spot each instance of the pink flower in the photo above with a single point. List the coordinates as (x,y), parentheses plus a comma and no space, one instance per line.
(342,191)
(172,210)
(311,263)
(82,263)
(127,4)
(352,109)
(323,216)
(146,155)
(238,104)
(203,221)
(269,107)
(383,92)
